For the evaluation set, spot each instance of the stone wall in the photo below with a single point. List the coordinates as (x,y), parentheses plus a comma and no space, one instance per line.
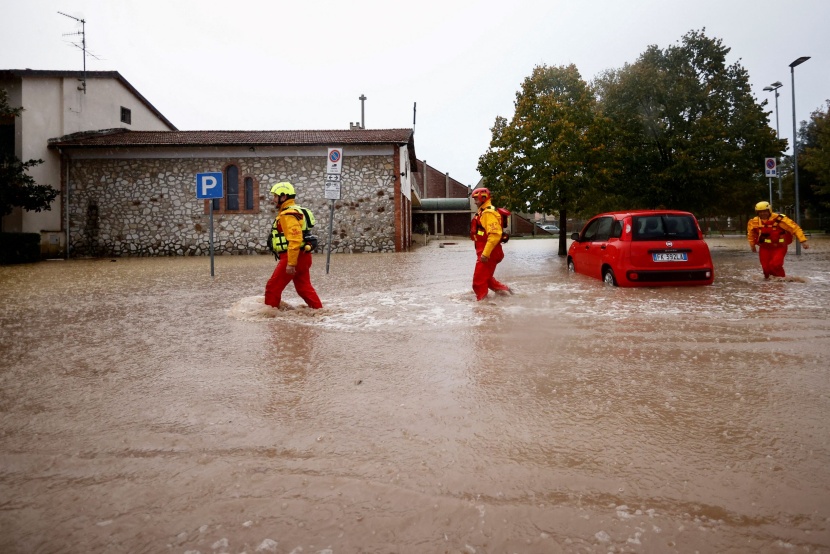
(148,207)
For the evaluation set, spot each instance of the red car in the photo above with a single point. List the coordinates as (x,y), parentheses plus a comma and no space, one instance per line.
(643,248)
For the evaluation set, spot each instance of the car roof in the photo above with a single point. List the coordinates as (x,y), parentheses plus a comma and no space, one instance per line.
(626,213)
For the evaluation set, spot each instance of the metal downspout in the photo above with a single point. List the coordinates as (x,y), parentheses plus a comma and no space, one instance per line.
(66,202)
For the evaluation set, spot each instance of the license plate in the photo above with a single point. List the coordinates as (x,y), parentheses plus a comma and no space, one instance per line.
(670,257)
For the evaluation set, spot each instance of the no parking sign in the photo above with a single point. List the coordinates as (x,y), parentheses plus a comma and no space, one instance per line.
(334,162)
(770,167)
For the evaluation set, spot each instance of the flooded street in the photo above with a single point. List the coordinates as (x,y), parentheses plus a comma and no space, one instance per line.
(147,407)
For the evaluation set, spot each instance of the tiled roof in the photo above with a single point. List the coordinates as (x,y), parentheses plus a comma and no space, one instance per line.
(125,138)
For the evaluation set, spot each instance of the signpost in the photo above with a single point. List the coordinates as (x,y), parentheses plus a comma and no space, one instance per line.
(334,163)
(771,171)
(210,186)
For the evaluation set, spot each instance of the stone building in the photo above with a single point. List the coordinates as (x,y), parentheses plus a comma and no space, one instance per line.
(133,193)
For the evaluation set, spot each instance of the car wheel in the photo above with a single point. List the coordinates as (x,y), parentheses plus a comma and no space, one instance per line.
(571,266)
(608,277)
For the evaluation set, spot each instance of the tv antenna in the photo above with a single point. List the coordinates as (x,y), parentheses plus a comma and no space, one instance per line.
(82,46)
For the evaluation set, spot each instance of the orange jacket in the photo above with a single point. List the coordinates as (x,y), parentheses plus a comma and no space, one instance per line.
(754,226)
(488,227)
(289,222)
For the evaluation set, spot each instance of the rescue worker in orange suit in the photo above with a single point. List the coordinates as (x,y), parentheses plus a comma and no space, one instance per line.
(288,243)
(485,230)
(771,233)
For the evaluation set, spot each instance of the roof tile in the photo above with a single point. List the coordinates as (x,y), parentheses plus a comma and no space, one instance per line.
(125,138)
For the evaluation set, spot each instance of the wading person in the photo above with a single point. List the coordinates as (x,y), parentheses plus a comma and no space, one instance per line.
(291,242)
(486,231)
(771,233)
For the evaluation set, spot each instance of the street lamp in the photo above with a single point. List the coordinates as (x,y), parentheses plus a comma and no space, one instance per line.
(799,61)
(774,88)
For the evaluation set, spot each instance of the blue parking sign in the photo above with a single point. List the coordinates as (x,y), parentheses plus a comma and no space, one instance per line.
(209,185)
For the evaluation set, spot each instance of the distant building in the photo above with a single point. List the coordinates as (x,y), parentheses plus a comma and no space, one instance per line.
(442,206)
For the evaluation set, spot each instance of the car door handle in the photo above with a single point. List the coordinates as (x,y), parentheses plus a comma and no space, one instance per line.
(602,247)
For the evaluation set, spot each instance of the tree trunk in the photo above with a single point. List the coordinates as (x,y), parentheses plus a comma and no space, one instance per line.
(563,232)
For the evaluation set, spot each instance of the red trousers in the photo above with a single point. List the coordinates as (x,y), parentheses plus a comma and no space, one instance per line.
(772,260)
(302,282)
(483,279)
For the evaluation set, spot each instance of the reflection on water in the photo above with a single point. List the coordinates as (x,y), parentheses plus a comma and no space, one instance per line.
(148,407)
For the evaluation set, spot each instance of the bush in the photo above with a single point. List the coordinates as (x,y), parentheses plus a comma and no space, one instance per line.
(19,248)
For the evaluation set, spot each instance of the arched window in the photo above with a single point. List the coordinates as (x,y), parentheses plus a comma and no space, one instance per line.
(240,194)
(249,193)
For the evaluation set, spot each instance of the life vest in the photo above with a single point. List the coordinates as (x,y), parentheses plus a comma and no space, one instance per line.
(277,242)
(771,233)
(477,231)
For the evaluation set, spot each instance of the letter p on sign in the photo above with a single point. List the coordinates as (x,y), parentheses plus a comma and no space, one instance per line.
(209,185)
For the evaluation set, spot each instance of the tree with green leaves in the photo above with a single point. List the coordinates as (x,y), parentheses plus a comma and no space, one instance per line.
(814,157)
(548,157)
(689,133)
(17,187)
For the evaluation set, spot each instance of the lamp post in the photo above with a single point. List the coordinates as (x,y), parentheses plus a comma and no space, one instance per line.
(774,88)
(799,61)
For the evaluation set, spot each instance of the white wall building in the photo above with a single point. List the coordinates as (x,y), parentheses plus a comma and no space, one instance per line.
(59,103)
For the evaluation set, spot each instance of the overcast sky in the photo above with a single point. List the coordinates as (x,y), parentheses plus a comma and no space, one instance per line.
(275,65)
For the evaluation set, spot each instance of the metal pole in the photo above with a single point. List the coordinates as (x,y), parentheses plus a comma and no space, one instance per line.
(778,136)
(83,42)
(770,190)
(362,120)
(331,226)
(799,61)
(210,203)
(774,89)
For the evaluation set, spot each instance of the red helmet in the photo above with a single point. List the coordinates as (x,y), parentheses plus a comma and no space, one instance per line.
(481,194)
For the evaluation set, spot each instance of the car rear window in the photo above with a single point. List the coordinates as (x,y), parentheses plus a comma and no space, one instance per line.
(658,227)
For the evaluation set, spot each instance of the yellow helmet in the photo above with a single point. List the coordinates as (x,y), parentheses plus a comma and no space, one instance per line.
(283,188)
(763,206)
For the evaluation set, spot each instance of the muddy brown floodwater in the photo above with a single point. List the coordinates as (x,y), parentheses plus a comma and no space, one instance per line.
(147,407)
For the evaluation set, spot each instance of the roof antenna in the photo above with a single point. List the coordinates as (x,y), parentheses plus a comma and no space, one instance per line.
(414,112)
(82,32)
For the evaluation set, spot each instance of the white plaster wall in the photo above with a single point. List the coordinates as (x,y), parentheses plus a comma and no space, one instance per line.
(100,108)
(53,107)
(41,118)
